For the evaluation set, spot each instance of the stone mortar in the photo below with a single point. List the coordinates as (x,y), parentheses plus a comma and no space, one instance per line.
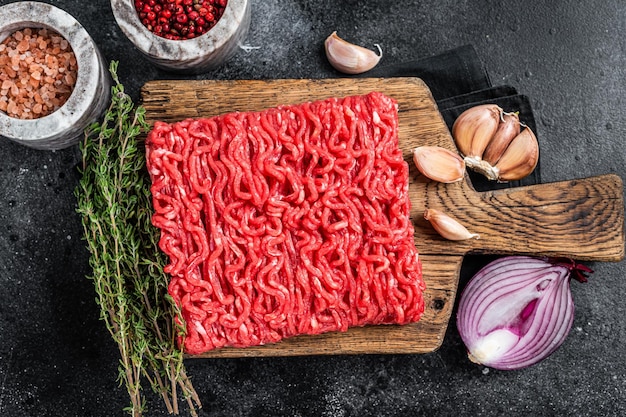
(90,97)
(195,55)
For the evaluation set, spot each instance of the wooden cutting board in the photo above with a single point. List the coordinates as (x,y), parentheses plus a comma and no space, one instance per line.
(581,219)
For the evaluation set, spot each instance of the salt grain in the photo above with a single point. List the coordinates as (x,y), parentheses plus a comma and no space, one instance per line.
(23,45)
(25,57)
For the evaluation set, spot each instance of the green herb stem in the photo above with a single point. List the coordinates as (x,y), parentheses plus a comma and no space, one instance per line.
(127,266)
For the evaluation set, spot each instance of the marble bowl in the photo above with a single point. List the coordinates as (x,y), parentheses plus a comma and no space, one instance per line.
(193,56)
(90,96)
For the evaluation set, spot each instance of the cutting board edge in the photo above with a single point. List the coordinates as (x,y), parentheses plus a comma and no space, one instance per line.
(147,96)
(282,349)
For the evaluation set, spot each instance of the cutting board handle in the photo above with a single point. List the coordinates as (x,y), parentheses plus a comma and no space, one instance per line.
(581,219)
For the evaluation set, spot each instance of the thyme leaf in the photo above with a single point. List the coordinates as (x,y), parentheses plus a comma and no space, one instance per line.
(114,202)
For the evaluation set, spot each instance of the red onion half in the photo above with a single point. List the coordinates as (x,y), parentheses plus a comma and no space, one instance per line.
(517,310)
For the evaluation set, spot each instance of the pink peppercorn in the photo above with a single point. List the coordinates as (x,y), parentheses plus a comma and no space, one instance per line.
(179,19)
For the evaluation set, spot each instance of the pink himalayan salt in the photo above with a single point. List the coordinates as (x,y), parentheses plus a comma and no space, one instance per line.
(25,56)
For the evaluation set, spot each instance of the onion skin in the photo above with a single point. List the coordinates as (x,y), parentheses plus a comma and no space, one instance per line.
(517,310)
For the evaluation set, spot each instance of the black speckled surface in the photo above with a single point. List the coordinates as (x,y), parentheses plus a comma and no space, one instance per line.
(568,57)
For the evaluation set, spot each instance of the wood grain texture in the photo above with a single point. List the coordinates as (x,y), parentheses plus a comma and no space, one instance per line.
(581,219)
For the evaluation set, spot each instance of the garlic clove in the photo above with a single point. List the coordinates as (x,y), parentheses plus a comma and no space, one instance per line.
(447,227)
(508,129)
(474,128)
(439,164)
(349,58)
(520,158)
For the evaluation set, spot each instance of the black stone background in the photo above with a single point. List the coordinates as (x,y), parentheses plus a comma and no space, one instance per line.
(568,57)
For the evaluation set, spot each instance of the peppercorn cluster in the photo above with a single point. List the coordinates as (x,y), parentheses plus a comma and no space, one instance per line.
(179,19)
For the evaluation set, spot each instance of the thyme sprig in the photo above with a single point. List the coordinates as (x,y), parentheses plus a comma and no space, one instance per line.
(127,267)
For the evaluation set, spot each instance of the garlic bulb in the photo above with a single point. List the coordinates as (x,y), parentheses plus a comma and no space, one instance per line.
(493,143)
(349,58)
(448,227)
(439,164)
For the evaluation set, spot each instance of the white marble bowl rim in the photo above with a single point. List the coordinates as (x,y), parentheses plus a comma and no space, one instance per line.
(28,14)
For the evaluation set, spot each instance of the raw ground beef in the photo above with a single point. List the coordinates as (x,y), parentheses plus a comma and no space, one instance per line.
(294,220)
